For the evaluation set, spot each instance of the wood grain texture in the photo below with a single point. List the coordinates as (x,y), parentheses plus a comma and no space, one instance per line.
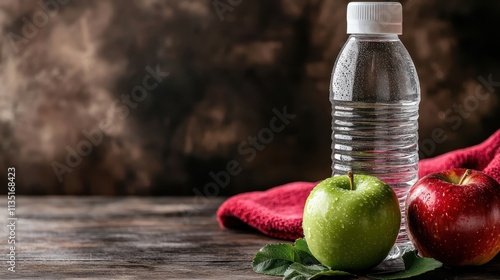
(143,238)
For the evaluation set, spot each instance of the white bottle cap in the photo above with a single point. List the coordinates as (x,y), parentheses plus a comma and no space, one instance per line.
(374,18)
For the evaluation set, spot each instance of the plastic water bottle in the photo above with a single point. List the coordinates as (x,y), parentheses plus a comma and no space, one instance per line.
(375,94)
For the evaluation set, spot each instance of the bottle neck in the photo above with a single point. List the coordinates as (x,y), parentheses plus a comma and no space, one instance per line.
(375,37)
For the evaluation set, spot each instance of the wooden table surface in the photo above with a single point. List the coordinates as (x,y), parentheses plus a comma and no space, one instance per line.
(143,238)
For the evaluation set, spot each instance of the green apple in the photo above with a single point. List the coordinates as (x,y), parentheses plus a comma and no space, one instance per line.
(351,221)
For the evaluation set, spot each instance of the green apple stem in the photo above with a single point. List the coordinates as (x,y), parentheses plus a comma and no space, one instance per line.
(467,173)
(351,179)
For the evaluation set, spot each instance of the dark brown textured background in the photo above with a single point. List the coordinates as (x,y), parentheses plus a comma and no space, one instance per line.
(226,76)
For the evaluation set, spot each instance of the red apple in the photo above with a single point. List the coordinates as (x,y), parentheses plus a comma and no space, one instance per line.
(454,217)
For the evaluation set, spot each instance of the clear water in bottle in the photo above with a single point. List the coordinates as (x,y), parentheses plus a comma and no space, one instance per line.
(375,95)
(378,139)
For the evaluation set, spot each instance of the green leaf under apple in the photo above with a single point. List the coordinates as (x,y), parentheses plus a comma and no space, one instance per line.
(283,260)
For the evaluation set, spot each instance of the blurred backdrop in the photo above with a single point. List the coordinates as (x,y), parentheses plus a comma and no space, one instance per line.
(213,97)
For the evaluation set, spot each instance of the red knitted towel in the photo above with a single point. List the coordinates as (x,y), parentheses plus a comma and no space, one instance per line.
(277,212)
